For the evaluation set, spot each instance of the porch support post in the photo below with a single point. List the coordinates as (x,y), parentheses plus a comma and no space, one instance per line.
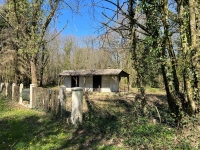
(84,84)
(128,83)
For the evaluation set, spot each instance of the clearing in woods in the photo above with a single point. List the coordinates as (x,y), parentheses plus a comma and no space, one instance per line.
(113,121)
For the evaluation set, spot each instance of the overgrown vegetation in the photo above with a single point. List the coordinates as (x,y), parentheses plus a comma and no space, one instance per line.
(111,122)
(157,42)
(163,40)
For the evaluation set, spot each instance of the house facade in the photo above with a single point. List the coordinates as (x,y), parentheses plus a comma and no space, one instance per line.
(101,80)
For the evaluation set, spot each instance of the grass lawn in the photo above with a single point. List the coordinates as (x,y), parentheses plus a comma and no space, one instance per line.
(112,123)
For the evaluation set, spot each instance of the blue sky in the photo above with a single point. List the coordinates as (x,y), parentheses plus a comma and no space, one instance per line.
(81,24)
(87,21)
(77,25)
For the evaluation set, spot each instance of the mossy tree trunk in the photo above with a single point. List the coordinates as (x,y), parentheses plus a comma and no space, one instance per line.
(188,30)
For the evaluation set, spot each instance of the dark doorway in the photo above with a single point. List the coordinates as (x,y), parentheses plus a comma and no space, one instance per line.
(75,81)
(96,83)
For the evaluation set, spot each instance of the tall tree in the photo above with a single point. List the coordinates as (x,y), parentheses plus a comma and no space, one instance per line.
(187,19)
(30,21)
(14,68)
(130,26)
(158,28)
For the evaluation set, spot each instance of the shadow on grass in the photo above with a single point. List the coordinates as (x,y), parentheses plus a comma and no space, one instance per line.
(17,131)
(102,126)
(22,131)
(94,130)
(157,107)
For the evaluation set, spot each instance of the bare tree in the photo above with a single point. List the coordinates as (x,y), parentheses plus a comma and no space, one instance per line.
(30,21)
(156,45)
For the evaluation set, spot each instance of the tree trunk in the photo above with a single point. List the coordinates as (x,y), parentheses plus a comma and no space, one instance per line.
(33,71)
(42,66)
(169,47)
(188,45)
(193,50)
(193,7)
(198,45)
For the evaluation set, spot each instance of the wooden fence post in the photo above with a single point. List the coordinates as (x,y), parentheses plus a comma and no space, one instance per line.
(20,93)
(62,96)
(77,101)
(13,90)
(31,95)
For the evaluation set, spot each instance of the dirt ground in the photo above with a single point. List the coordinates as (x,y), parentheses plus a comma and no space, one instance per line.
(154,98)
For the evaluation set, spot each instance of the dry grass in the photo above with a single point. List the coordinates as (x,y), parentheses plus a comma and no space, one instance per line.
(114,121)
(154,96)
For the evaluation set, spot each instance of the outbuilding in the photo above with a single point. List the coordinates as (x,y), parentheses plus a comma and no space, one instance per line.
(101,80)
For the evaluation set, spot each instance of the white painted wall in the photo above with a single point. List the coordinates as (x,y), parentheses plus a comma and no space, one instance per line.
(89,83)
(105,84)
(67,82)
(114,83)
(108,83)
(81,81)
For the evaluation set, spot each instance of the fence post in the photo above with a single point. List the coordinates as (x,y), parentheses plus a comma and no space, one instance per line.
(13,90)
(31,95)
(77,101)
(1,87)
(62,96)
(6,89)
(21,86)
(33,102)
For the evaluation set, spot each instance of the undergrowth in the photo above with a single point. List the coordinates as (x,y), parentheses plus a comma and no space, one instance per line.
(107,125)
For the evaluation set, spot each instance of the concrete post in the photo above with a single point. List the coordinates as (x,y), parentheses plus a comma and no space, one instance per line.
(77,105)
(31,95)
(1,87)
(6,84)
(21,86)
(62,96)
(13,90)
